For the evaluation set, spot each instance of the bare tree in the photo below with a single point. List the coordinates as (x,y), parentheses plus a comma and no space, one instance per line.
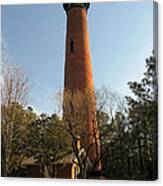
(78,108)
(14,84)
(75,113)
(109,101)
(14,95)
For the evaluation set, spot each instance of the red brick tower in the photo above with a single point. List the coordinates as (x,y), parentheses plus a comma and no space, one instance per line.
(78,71)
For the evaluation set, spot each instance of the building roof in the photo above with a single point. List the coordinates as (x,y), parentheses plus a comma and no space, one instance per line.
(29,161)
(69,158)
(66,158)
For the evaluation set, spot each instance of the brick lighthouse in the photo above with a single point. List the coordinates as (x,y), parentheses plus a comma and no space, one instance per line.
(78,74)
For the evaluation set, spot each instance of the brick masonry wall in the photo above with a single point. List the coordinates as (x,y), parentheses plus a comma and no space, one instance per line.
(78,69)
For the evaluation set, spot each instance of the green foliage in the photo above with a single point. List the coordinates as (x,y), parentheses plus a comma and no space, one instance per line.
(131,150)
(26,135)
(143,118)
(15,120)
(47,141)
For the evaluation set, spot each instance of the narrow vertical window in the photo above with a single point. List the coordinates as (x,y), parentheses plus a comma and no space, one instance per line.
(72,45)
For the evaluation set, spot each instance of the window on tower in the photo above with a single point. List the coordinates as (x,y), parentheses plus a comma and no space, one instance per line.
(72,45)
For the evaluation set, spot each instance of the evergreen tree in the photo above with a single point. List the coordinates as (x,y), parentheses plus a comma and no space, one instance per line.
(142,118)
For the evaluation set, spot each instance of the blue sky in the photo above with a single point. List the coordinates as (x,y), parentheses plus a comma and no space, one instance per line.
(121,37)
